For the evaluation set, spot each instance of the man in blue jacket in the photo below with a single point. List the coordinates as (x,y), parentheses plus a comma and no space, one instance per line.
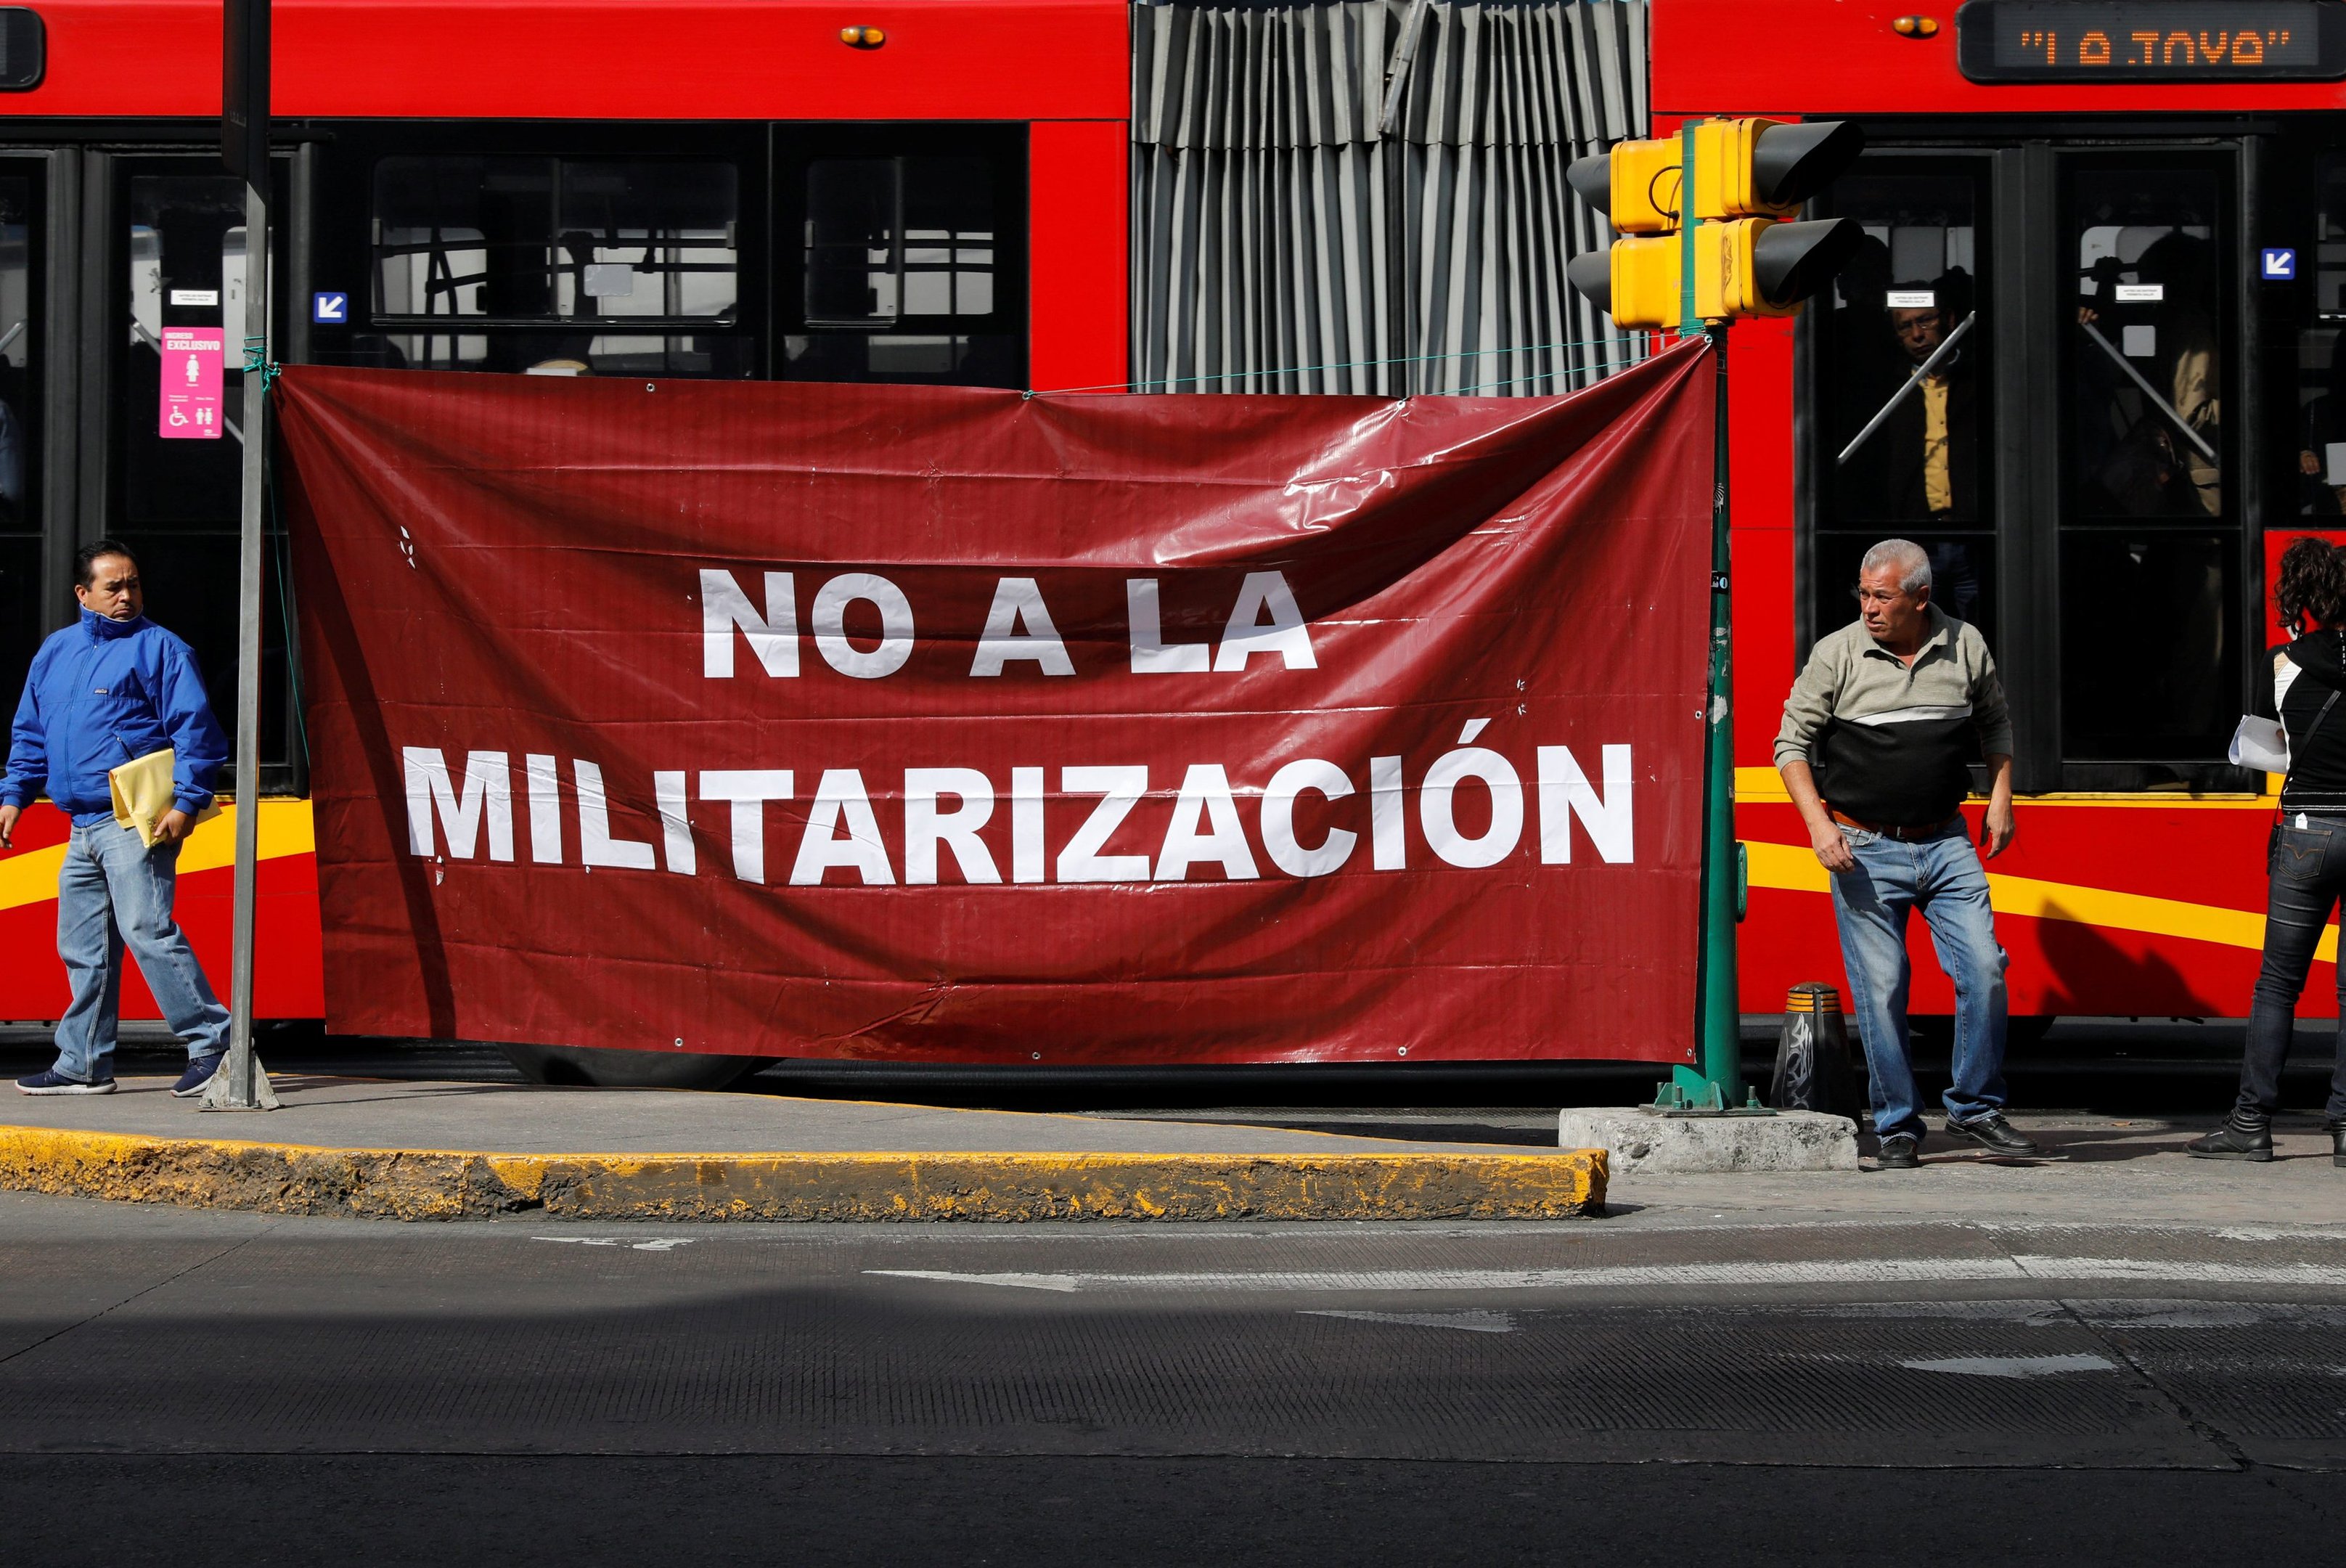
(110,688)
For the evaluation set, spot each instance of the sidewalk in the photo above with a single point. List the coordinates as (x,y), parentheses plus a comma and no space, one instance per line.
(445,1150)
(422,1149)
(2127,1170)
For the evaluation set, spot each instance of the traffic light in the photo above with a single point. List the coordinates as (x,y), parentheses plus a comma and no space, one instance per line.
(1749,176)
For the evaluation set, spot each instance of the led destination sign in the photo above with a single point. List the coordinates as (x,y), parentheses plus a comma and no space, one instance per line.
(2151,40)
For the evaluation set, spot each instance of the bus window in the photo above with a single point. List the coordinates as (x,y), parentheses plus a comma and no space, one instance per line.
(2320,413)
(854,267)
(2149,545)
(27,614)
(523,263)
(1903,388)
(905,260)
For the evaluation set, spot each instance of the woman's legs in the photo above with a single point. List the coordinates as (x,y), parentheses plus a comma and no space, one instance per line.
(2306,869)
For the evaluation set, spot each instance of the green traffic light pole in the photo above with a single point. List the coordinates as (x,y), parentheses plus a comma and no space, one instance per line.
(1716,1083)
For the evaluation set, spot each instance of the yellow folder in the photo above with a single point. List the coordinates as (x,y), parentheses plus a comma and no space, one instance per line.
(143,795)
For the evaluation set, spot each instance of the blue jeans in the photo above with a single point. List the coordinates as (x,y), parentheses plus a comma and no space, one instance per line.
(114,892)
(2308,869)
(1942,876)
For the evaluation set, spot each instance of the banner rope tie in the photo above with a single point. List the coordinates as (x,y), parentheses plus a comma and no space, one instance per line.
(257,362)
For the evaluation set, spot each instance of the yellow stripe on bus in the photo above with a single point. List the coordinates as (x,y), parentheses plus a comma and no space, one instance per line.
(1765,786)
(1793,867)
(285,829)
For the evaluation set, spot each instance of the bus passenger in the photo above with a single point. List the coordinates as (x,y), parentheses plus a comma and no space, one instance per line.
(1932,437)
(2305,859)
(1873,750)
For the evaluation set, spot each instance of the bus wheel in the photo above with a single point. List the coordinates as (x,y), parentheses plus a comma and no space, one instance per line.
(572,1065)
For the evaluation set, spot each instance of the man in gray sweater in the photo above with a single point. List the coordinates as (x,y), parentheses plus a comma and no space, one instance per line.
(1874,751)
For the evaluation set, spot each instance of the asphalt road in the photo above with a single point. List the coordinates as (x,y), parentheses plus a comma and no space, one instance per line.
(193,1387)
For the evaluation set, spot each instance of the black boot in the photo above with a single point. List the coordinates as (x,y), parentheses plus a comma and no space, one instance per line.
(2244,1136)
(2338,1145)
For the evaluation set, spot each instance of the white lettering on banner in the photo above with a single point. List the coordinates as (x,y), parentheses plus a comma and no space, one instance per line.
(1248,634)
(1279,819)
(828,616)
(749,789)
(1436,803)
(1388,850)
(1204,792)
(1026,857)
(1119,787)
(773,636)
(1018,601)
(840,798)
(925,826)
(596,847)
(1150,653)
(545,785)
(675,823)
(1565,792)
(488,793)
(1204,827)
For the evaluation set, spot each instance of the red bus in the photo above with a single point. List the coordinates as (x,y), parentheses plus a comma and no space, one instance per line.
(2147,261)
(2135,213)
(1048,194)
(602,186)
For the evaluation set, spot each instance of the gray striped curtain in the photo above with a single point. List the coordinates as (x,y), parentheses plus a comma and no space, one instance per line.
(1282,242)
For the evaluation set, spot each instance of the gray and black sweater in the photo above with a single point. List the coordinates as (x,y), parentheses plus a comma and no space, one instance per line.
(1890,741)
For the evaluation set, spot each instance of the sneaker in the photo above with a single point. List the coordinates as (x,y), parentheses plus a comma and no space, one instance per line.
(1900,1152)
(2235,1140)
(1996,1135)
(58,1083)
(198,1073)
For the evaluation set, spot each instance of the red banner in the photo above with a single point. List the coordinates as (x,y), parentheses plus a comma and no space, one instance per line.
(940,724)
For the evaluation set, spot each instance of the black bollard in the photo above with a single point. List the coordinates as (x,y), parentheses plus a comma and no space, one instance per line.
(1812,1064)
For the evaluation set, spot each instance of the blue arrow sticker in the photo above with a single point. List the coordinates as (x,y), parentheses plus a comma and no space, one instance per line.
(2279,264)
(330,309)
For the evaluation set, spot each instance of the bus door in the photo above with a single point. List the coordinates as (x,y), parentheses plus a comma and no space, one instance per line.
(27,327)
(2032,371)
(163,273)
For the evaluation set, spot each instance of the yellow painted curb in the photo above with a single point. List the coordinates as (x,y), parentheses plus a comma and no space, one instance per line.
(448,1184)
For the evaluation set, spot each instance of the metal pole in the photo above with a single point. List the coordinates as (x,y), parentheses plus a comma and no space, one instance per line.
(1718,1023)
(1921,372)
(246,1088)
(2150,392)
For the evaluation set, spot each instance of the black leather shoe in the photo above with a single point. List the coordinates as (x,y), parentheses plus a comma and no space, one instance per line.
(1900,1152)
(1994,1134)
(2338,1146)
(2235,1140)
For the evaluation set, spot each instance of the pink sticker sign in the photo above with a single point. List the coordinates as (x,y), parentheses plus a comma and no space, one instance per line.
(192,360)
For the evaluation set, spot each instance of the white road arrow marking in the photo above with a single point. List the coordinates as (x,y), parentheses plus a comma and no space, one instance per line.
(2015,1366)
(1849,1271)
(1475,1321)
(668,1244)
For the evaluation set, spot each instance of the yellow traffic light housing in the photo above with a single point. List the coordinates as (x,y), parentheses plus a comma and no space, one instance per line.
(1735,258)
(1636,281)
(1767,168)
(1636,184)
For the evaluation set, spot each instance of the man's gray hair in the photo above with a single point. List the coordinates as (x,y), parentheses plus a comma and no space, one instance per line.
(1914,562)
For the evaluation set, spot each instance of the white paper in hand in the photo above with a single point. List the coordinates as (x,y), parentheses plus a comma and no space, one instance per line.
(2259,743)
